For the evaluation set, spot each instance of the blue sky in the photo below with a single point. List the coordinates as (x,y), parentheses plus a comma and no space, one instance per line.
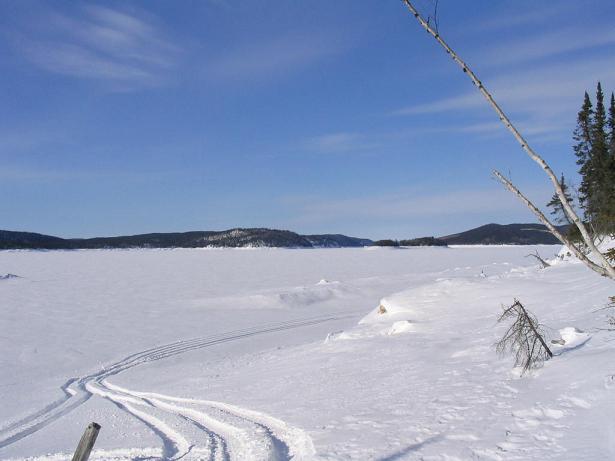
(129,117)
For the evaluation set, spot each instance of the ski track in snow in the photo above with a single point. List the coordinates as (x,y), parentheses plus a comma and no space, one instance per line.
(225,431)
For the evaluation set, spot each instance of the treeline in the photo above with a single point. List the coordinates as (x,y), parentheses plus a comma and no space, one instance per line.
(594,148)
(232,238)
(417,242)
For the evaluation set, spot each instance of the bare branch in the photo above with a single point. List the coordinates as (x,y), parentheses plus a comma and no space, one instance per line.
(542,262)
(543,219)
(572,215)
(524,338)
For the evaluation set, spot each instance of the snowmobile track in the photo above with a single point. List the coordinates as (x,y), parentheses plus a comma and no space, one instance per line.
(230,432)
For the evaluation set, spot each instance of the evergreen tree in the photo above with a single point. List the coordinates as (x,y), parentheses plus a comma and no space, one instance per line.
(599,197)
(611,125)
(610,175)
(582,148)
(594,148)
(557,209)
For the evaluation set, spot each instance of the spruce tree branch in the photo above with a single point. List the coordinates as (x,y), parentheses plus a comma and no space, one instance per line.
(608,270)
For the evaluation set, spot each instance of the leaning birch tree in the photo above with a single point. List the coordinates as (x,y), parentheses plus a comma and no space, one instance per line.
(602,266)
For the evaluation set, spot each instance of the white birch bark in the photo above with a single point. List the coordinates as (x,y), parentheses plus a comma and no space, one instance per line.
(543,219)
(607,269)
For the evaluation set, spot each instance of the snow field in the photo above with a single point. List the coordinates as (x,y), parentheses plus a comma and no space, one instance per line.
(245,355)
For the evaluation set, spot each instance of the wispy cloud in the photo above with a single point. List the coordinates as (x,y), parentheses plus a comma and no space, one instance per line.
(542,98)
(462,102)
(414,205)
(490,128)
(538,78)
(341,142)
(269,58)
(127,49)
(515,15)
(547,45)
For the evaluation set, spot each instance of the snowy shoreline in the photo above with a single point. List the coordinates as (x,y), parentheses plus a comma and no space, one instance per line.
(44,250)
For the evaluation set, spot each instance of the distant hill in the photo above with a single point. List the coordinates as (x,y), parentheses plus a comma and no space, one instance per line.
(490,234)
(501,234)
(19,240)
(257,237)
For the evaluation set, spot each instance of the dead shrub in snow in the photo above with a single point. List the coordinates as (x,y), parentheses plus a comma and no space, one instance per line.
(543,264)
(524,338)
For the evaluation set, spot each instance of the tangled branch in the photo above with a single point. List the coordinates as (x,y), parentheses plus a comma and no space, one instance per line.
(544,264)
(524,338)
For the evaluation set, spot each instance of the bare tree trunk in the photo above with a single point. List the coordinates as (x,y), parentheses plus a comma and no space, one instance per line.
(536,332)
(543,219)
(542,262)
(607,269)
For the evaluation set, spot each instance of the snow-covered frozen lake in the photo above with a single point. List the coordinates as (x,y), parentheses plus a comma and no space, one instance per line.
(280,354)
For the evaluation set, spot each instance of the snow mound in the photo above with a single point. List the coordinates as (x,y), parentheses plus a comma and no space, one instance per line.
(421,303)
(607,243)
(388,310)
(565,255)
(571,338)
(360,332)
(9,276)
(326,282)
(402,326)
(305,296)
(289,298)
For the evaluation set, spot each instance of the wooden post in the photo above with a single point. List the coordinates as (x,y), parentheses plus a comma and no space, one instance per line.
(82,453)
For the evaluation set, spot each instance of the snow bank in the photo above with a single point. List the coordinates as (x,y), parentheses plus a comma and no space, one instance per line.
(565,255)
(401,326)
(570,338)
(289,298)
